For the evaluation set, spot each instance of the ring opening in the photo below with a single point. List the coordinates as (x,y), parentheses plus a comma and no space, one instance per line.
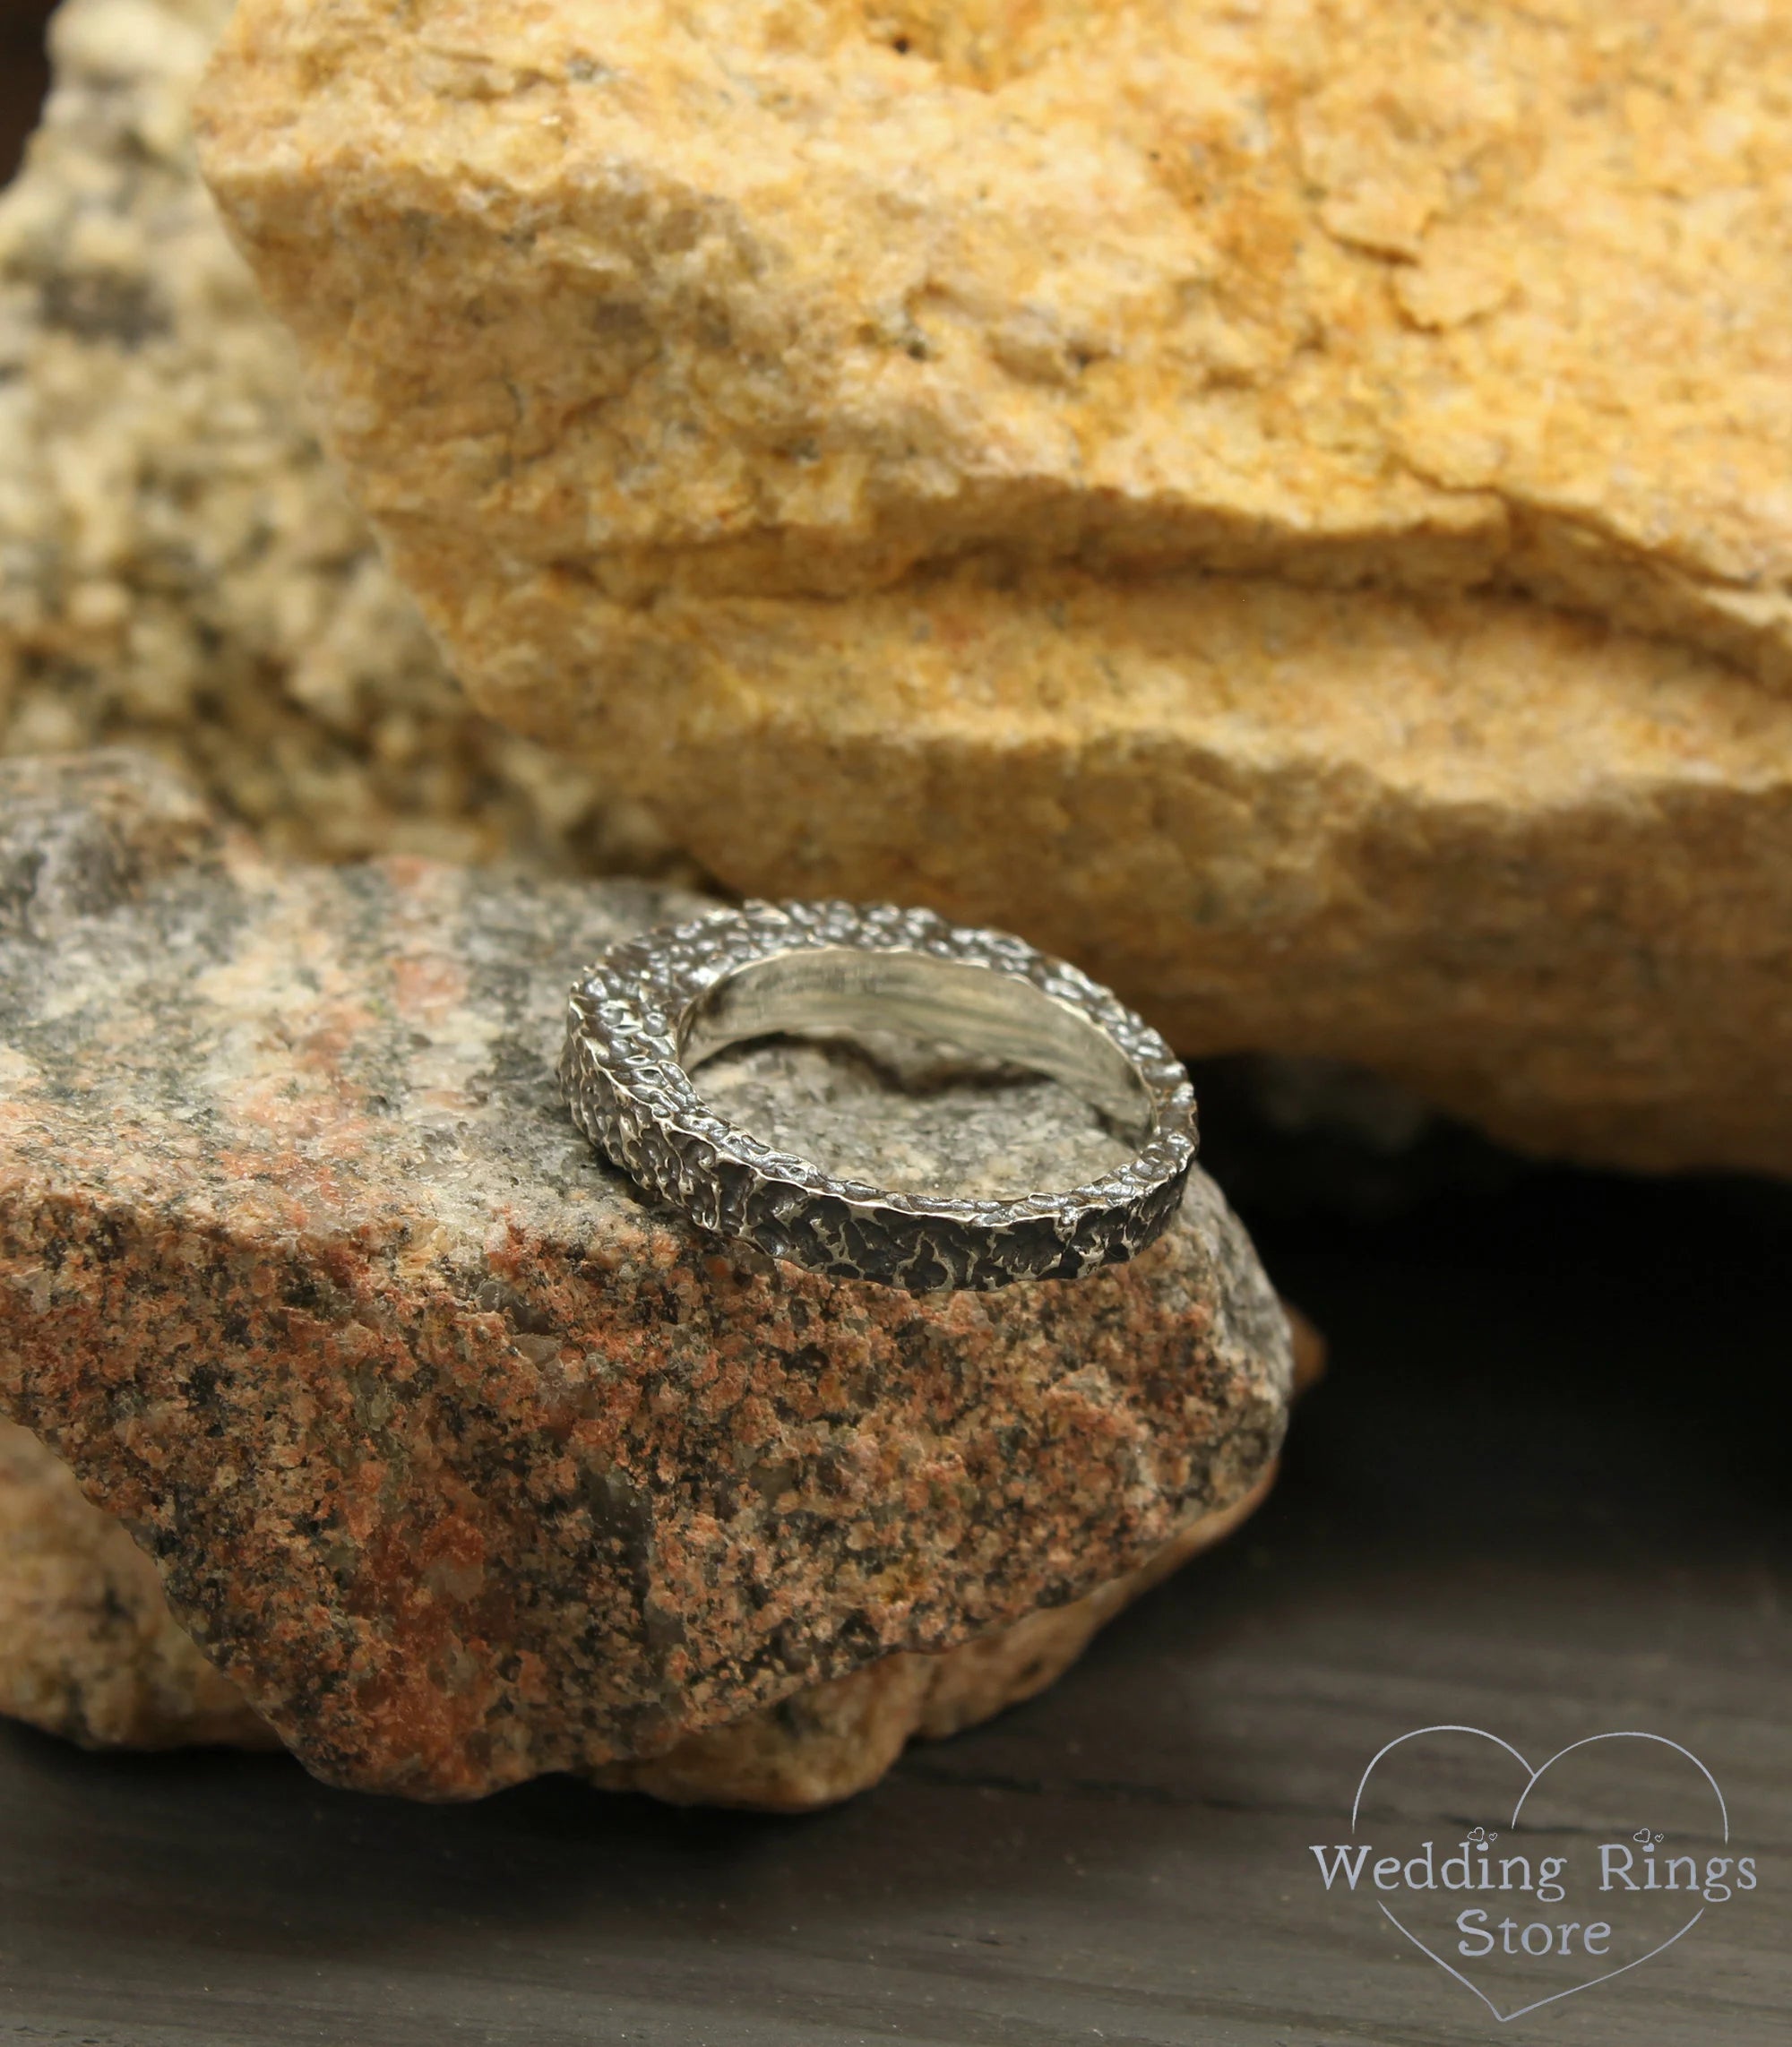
(839,990)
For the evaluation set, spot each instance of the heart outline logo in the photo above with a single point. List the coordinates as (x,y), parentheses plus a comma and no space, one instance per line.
(1585,1740)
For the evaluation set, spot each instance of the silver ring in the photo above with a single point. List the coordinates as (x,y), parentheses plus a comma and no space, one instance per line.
(656,1006)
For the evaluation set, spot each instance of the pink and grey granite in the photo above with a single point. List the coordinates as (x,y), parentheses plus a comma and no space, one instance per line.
(459,1462)
(90,1650)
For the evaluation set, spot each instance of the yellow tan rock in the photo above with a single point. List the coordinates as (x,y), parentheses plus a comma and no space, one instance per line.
(1537,872)
(1288,504)
(792,295)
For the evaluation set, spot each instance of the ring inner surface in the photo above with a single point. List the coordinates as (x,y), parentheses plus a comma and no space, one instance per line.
(839,989)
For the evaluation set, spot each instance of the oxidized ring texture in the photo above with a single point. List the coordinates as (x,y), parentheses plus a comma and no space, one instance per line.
(655,1006)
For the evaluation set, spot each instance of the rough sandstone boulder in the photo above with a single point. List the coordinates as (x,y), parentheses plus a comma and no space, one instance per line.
(1283,505)
(459,1463)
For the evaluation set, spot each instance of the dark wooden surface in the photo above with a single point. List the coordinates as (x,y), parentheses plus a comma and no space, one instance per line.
(1542,1491)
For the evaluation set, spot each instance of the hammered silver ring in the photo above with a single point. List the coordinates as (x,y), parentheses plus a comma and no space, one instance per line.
(655,1006)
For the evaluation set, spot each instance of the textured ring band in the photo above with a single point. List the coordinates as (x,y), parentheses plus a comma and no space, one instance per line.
(656,1005)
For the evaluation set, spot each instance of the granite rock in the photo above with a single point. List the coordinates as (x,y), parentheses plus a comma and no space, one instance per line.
(90,1650)
(828,1741)
(1082,467)
(457,1461)
(180,567)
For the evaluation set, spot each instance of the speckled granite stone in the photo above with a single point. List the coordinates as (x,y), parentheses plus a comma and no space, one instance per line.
(828,1741)
(458,1462)
(180,568)
(90,1650)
